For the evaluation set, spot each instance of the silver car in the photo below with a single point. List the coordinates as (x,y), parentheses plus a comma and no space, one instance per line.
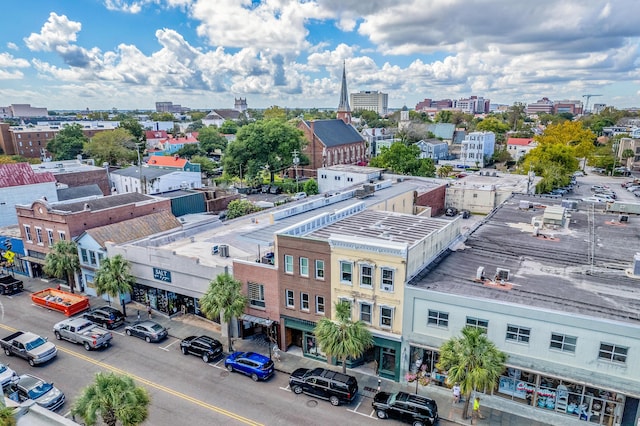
(148,330)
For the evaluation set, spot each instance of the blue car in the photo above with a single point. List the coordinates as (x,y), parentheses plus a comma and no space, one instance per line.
(257,366)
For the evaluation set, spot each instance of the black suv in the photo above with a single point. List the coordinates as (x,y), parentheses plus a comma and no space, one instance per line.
(326,384)
(105,316)
(409,408)
(205,347)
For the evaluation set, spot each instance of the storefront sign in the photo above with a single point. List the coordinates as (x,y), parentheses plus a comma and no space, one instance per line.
(162,275)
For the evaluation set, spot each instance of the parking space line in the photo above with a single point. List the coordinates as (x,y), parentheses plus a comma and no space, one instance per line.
(166,348)
(288,388)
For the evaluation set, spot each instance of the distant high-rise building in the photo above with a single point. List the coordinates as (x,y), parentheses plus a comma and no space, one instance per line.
(370,100)
(570,106)
(22,111)
(344,111)
(541,106)
(170,107)
(473,105)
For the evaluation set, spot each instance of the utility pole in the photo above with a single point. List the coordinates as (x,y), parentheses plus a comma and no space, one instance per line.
(296,161)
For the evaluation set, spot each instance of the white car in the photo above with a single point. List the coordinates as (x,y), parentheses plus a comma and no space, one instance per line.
(603,197)
(298,196)
(6,375)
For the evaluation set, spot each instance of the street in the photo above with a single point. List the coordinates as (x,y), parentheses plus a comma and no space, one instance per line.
(181,387)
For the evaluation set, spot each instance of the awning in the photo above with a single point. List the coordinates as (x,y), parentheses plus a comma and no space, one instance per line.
(256,320)
(34,260)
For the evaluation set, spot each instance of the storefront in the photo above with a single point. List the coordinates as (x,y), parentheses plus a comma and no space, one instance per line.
(167,302)
(263,329)
(426,359)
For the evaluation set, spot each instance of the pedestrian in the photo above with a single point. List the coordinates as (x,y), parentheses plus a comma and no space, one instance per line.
(59,286)
(138,314)
(476,411)
(456,393)
(149,309)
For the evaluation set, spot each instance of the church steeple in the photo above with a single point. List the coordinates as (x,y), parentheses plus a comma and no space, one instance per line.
(344,111)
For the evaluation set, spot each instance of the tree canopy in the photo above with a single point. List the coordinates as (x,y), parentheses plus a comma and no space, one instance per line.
(116,147)
(62,262)
(237,208)
(403,159)
(114,277)
(260,143)
(229,127)
(68,143)
(134,128)
(224,297)
(343,337)
(211,139)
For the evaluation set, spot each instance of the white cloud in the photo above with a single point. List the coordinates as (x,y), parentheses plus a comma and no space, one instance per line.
(57,31)
(12,46)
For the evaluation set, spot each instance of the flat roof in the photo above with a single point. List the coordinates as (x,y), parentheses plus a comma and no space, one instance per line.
(584,267)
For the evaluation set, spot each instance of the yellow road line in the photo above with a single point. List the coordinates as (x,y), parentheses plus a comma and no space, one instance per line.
(152,384)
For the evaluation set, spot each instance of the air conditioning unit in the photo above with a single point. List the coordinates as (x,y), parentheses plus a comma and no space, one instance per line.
(502,274)
(480,273)
(224,250)
(387,288)
(215,249)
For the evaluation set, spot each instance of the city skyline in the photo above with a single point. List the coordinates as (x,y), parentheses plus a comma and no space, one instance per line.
(203,54)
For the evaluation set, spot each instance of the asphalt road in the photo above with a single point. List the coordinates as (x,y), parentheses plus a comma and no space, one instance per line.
(614,182)
(183,389)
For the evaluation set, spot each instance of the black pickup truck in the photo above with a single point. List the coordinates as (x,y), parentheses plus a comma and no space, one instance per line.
(9,284)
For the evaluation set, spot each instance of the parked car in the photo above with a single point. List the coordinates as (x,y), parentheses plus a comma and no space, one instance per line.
(36,389)
(35,349)
(603,197)
(148,330)
(595,188)
(84,332)
(466,214)
(106,316)
(254,365)
(205,347)
(409,408)
(298,196)
(451,211)
(578,173)
(6,375)
(325,384)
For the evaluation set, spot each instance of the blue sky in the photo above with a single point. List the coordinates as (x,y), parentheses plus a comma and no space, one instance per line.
(129,54)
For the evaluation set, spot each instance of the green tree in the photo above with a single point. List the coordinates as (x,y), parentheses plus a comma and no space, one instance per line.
(207,166)
(197,115)
(7,415)
(134,128)
(113,398)
(516,115)
(211,139)
(264,142)
(343,338)
(162,116)
(224,297)
(237,208)
(626,154)
(189,150)
(275,113)
(473,361)
(229,127)
(62,262)
(116,147)
(403,159)
(68,143)
(195,126)
(311,187)
(113,278)
(569,133)
(444,116)
(445,171)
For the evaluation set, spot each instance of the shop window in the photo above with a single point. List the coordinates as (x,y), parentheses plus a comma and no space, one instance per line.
(319,304)
(27,233)
(291,302)
(320,269)
(304,301)
(387,279)
(478,323)
(388,361)
(365,312)
(310,345)
(304,266)
(346,272)
(438,319)
(288,264)
(50,237)
(256,295)
(366,275)
(518,334)
(563,342)
(84,256)
(612,352)
(38,235)
(386,317)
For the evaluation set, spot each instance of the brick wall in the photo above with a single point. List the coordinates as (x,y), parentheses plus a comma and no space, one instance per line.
(434,198)
(99,177)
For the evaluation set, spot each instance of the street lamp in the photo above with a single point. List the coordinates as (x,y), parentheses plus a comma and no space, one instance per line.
(296,161)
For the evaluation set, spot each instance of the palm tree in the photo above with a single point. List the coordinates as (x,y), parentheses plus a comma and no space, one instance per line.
(473,361)
(7,414)
(114,398)
(444,171)
(342,337)
(113,278)
(225,297)
(62,262)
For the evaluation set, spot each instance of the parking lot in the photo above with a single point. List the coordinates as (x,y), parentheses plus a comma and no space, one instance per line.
(583,187)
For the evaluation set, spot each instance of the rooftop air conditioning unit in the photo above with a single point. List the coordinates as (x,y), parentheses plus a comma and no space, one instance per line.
(480,273)
(215,249)
(224,250)
(502,274)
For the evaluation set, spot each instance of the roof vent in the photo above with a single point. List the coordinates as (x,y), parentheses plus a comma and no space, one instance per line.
(480,273)
(87,207)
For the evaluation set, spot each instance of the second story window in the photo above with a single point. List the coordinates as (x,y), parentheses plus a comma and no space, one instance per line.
(84,256)
(304,266)
(366,275)
(256,295)
(290,298)
(39,235)
(27,233)
(438,319)
(365,312)
(613,353)
(92,257)
(319,304)
(50,237)
(346,269)
(386,316)
(518,334)
(386,279)
(320,269)
(304,301)
(62,236)
(288,264)
(563,342)
(478,323)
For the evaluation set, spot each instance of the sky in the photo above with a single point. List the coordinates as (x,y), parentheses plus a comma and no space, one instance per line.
(202,54)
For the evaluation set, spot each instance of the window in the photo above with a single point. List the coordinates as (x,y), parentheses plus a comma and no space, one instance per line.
(319,304)
(39,235)
(304,266)
(84,255)
(319,269)
(563,342)
(386,316)
(345,272)
(50,237)
(478,323)
(518,334)
(92,257)
(387,279)
(304,301)
(62,235)
(288,264)
(365,312)
(291,303)
(349,302)
(256,295)
(437,318)
(27,232)
(366,275)
(612,352)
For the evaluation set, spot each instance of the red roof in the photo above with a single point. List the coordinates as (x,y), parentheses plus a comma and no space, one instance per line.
(19,174)
(155,134)
(519,141)
(165,161)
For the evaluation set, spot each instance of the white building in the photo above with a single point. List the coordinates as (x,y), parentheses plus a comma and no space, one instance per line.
(477,148)
(154,180)
(370,100)
(341,176)
(519,147)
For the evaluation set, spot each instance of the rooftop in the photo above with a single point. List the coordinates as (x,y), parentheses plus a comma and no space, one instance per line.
(583,268)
